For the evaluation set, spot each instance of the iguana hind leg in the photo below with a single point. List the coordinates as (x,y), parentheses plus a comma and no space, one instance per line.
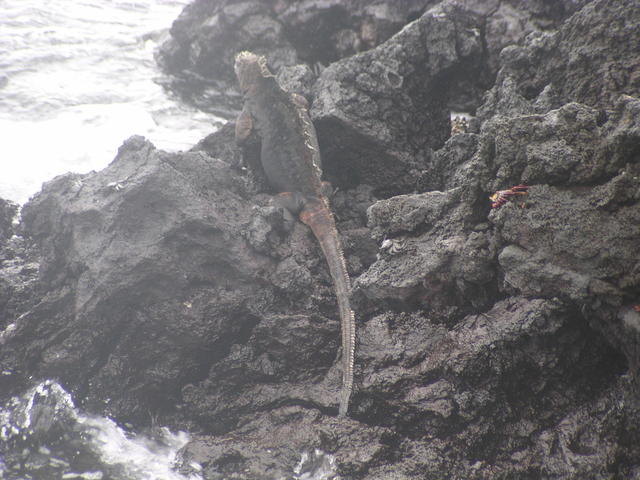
(291,204)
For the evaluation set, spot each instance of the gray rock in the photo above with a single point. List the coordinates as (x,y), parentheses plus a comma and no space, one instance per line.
(198,54)
(572,145)
(203,42)
(592,58)
(428,255)
(562,243)
(378,114)
(492,343)
(152,276)
(18,272)
(8,211)
(428,379)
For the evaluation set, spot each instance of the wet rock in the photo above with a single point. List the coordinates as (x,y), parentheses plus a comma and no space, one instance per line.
(8,211)
(45,436)
(18,282)
(291,442)
(18,272)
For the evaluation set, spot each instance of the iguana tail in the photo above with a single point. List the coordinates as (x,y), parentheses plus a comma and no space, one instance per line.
(317,215)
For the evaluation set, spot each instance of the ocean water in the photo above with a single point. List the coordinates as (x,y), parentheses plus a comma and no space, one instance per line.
(43,436)
(76,80)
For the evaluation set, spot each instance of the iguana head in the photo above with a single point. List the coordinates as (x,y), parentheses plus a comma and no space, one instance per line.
(250,70)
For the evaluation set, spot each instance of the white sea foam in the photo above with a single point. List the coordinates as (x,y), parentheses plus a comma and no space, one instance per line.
(316,465)
(50,436)
(140,457)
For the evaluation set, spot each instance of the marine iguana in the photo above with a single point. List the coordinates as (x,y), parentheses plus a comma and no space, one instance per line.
(291,161)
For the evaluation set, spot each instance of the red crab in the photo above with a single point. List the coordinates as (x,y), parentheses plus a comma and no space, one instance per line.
(501,197)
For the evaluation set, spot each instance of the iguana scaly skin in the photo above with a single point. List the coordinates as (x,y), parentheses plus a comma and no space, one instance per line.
(291,163)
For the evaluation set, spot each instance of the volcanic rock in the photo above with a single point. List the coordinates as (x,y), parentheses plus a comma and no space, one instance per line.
(492,342)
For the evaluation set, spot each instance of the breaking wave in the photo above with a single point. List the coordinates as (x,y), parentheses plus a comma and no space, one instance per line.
(43,436)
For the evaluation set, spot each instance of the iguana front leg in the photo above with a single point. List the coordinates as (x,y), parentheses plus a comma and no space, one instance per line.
(244,126)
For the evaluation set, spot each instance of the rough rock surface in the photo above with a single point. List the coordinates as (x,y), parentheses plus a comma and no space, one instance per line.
(592,58)
(8,211)
(390,103)
(18,270)
(492,343)
(198,55)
